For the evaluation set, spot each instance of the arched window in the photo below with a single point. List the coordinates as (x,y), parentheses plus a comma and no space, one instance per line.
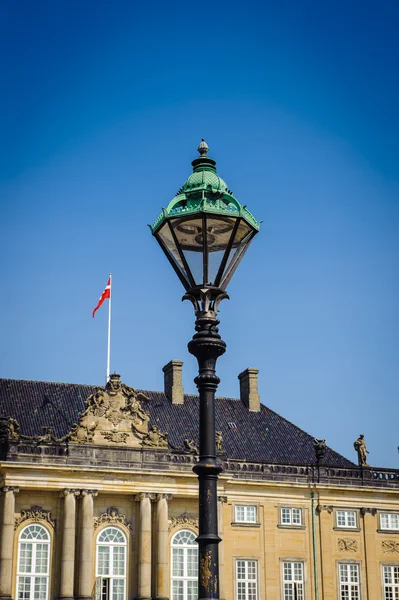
(33,563)
(184,566)
(111,565)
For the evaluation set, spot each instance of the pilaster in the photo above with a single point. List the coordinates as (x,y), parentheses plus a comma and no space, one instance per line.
(67,576)
(144,578)
(162,580)
(7,521)
(85,579)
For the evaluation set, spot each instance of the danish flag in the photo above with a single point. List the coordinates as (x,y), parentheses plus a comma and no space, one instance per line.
(106,294)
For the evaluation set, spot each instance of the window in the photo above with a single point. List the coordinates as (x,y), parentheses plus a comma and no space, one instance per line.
(111,565)
(389,520)
(245,514)
(33,563)
(391,582)
(247,579)
(291,516)
(346,518)
(184,566)
(293,581)
(349,582)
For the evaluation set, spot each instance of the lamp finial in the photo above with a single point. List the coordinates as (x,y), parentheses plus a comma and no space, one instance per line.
(203,148)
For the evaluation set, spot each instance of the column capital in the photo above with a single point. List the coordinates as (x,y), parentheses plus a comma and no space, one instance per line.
(68,491)
(9,488)
(222,499)
(166,497)
(143,495)
(93,493)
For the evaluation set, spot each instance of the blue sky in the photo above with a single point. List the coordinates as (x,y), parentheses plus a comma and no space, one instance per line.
(102,108)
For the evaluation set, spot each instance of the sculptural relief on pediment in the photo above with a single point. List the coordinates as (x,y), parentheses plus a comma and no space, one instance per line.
(114,415)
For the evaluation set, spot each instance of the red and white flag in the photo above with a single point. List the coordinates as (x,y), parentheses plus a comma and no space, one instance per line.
(106,294)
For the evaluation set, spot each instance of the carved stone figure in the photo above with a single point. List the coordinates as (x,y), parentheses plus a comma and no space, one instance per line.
(47,437)
(9,430)
(113,415)
(320,448)
(190,446)
(155,438)
(360,447)
(219,441)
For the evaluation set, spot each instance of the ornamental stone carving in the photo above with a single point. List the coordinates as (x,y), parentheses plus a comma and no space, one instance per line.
(219,441)
(371,511)
(118,437)
(155,438)
(183,520)
(347,545)
(35,513)
(111,517)
(322,507)
(390,546)
(114,415)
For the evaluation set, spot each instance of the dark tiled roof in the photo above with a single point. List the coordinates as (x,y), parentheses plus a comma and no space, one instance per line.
(261,436)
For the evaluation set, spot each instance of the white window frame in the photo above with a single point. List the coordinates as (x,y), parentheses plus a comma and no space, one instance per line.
(296,585)
(247,510)
(109,579)
(33,575)
(287,516)
(345,513)
(353,587)
(389,525)
(246,588)
(185,578)
(391,588)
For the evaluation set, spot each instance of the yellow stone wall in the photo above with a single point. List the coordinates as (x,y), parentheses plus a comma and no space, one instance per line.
(266,541)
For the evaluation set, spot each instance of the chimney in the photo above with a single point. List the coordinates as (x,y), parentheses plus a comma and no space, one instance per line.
(249,389)
(173,385)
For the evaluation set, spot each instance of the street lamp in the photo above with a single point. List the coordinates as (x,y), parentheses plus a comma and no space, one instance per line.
(204,233)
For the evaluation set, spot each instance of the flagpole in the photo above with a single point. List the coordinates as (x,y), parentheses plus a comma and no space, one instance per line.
(109,330)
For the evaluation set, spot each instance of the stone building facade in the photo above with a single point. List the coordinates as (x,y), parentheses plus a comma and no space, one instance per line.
(98,499)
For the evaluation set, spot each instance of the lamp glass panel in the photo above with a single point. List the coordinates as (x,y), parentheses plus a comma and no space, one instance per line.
(240,246)
(166,239)
(219,231)
(190,239)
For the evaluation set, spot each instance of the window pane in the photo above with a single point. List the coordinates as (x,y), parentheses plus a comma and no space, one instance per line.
(118,560)
(40,588)
(23,588)
(25,558)
(118,589)
(177,590)
(192,590)
(246,579)
(103,560)
(177,562)
(41,558)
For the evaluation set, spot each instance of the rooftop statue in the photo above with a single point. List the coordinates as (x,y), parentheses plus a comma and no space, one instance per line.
(361,449)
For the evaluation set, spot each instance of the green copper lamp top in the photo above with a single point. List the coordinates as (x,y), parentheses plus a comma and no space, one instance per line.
(204,192)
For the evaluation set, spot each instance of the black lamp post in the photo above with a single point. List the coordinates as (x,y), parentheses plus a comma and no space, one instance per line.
(204,233)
